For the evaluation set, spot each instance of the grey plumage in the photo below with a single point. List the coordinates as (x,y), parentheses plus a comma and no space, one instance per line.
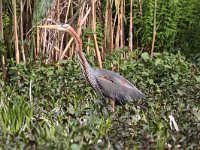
(116,87)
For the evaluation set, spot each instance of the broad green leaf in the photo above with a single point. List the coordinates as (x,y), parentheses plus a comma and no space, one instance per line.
(158,61)
(180,92)
(50,72)
(167,66)
(75,147)
(197,78)
(145,73)
(175,76)
(150,81)
(71,109)
(197,114)
(145,56)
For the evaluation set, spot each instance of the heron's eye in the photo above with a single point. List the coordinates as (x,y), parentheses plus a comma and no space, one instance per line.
(104,77)
(65,25)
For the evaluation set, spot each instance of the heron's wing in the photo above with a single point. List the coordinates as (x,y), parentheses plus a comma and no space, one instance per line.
(118,88)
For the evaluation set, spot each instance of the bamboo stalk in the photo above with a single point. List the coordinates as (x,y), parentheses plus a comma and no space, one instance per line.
(62,39)
(89,38)
(88,45)
(56,53)
(26,25)
(68,9)
(4,75)
(27,15)
(108,26)
(65,50)
(154,29)
(94,34)
(99,10)
(71,52)
(122,25)
(118,27)
(85,17)
(22,30)
(131,27)
(80,19)
(37,43)
(17,57)
(105,27)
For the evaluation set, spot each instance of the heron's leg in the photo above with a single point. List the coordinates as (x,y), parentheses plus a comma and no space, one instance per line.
(112,105)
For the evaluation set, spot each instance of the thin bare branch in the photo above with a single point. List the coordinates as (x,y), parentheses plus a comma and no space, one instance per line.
(65,50)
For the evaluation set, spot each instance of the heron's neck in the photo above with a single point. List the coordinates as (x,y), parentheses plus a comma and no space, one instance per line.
(83,61)
(81,58)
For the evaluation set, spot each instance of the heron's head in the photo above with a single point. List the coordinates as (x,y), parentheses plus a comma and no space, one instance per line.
(61,27)
(65,28)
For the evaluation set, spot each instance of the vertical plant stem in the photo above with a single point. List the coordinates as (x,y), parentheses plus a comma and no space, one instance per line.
(22,30)
(30,91)
(118,27)
(122,24)
(89,38)
(110,42)
(71,52)
(80,18)
(94,34)
(88,45)
(105,27)
(1,39)
(130,27)
(108,29)
(17,57)
(38,42)
(66,19)
(154,29)
(66,49)
(140,6)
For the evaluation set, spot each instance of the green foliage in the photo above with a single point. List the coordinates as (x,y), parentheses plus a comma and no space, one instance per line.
(15,113)
(88,32)
(52,107)
(177,26)
(40,9)
(147,23)
(189,28)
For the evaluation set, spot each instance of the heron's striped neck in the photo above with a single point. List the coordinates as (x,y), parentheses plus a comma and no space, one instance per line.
(88,72)
(86,68)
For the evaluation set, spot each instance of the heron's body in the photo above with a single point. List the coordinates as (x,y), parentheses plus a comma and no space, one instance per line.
(117,87)
(111,85)
(106,83)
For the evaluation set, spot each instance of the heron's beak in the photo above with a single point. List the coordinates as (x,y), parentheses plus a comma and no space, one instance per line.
(65,28)
(61,27)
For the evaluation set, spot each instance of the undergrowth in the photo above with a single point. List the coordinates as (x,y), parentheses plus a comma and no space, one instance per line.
(52,107)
